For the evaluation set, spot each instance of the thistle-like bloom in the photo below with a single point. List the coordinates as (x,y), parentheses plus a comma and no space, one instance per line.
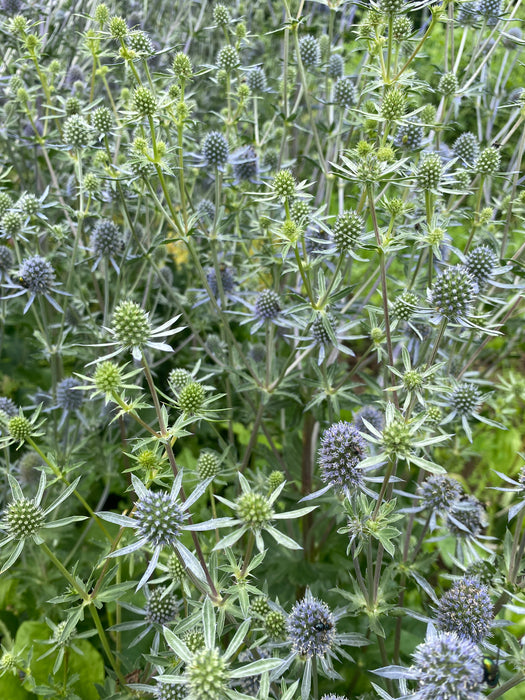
(370,415)
(311,627)
(251,684)
(453,294)
(482,264)
(267,305)
(107,241)
(438,492)
(36,277)
(416,382)
(8,406)
(448,666)
(466,401)
(208,671)
(466,517)
(215,149)
(445,667)
(169,691)
(227,281)
(245,162)
(342,448)
(160,610)
(19,428)
(131,329)
(466,609)
(159,521)
(62,641)
(24,518)
(255,513)
(322,332)
(68,398)
(400,439)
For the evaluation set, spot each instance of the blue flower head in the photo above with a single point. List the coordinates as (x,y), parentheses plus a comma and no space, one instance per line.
(37,278)
(311,627)
(342,448)
(372,416)
(439,492)
(448,666)
(466,609)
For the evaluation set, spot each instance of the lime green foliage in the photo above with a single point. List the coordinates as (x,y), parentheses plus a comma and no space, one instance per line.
(89,666)
(10,687)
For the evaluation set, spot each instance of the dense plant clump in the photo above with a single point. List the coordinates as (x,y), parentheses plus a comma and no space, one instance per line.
(261,350)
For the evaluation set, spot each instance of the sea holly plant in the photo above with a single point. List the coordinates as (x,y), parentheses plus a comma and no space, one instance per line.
(159,519)
(262,290)
(208,673)
(255,515)
(24,518)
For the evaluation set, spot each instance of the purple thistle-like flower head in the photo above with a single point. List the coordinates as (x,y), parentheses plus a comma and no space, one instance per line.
(372,416)
(448,667)
(311,627)
(8,406)
(68,397)
(267,306)
(6,258)
(37,274)
(439,492)
(466,609)
(342,448)
(466,517)
(106,239)
(227,279)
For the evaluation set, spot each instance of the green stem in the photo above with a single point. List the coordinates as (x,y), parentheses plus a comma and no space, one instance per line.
(384,291)
(72,580)
(511,683)
(56,471)
(308,103)
(389,472)
(439,337)
(475,219)
(256,121)
(418,48)
(515,541)
(248,554)
(321,304)
(105,645)
(303,274)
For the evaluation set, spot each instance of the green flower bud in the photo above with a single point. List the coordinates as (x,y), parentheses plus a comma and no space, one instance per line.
(284,184)
(191,397)
(118,27)
(144,101)
(254,510)
(182,67)
(107,377)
